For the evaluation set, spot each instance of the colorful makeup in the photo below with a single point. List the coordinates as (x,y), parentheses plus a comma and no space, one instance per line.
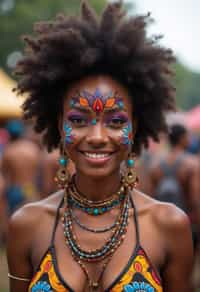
(117,119)
(127,134)
(68,133)
(97,101)
(93,122)
(77,118)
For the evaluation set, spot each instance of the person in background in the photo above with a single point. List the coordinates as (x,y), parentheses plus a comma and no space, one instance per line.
(20,162)
(148,156)
(185,169)
(3,210)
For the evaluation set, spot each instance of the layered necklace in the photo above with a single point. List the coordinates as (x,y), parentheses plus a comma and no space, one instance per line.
(95,208)
(73,199)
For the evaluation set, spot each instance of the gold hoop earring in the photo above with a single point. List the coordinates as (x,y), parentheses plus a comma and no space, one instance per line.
(130,178)
(63,177)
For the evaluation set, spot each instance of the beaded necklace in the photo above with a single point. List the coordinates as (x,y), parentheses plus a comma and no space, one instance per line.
(94,208)
(94,230)
(107,248)
(106,251)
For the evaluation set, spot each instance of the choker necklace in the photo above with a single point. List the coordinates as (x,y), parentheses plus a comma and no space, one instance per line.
(95,208)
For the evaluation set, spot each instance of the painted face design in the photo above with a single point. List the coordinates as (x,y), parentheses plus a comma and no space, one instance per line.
(68,133)
(97,102)
(127,134)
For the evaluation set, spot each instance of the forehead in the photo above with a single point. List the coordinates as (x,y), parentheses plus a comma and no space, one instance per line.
(103,86)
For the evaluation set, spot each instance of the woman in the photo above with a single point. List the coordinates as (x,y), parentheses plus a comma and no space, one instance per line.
(99,90)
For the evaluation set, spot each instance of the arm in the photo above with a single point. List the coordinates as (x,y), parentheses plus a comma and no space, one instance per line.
(18,247)
(194,194)
(3,209)
(178,268)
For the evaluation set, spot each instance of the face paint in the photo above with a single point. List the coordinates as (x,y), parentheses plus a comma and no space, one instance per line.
(68,135)
(77,119)
(94,122)
(127,134)
(97,102)
(117,119)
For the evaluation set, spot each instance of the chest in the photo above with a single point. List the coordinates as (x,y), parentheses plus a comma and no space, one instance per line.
(69,270)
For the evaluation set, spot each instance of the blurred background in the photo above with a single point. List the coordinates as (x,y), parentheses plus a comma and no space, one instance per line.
(177,20)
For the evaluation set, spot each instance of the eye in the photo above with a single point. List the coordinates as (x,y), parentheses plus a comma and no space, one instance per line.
(78,120)
(117,122)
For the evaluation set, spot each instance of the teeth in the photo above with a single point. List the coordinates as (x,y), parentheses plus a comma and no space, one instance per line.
(96,155)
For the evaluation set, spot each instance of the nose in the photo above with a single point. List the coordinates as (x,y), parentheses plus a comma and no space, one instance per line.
(97,135)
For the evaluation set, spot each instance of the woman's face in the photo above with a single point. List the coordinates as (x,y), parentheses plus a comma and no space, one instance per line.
(97,125)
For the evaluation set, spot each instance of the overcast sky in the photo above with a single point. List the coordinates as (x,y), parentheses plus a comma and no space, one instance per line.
(179,21)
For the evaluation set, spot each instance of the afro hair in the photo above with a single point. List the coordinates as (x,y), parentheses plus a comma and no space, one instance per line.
(68,48)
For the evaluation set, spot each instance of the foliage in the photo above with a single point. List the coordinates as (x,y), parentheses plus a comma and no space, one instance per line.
(187,86)
(19,19)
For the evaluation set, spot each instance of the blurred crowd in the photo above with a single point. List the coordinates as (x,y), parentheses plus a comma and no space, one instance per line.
(168,171)
(27,170)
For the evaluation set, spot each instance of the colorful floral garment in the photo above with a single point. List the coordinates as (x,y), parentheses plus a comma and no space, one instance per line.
(46,278)
(138,276)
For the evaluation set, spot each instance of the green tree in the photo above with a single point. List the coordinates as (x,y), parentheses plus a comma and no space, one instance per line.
(17,18)
(187,87)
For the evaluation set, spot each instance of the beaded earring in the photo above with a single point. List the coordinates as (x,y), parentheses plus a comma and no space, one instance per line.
(62,176)
(130,178)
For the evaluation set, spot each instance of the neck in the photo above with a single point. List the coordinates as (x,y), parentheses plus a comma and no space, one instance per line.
(96,189)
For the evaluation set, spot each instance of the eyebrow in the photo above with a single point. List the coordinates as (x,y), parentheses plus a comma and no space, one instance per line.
(114,109)
(82,108)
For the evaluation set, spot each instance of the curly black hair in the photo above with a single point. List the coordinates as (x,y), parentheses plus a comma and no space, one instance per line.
(176,132)
(68,48)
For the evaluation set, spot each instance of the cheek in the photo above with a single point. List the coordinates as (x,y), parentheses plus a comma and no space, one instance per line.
(73,135)
(68,134)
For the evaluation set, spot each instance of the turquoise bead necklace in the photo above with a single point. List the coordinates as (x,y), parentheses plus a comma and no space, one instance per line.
(111,244)
(94,208)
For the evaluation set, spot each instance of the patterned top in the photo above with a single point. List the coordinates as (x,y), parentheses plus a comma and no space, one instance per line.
(138,276)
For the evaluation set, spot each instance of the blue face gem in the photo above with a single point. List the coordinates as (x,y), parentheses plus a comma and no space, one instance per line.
(94,122)
(72,102)
(120,104)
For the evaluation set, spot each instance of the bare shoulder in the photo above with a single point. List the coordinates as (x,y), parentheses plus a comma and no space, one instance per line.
(191,161)
(27,218)
(166,216)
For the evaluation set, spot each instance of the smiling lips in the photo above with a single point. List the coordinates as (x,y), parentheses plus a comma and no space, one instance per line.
(96,156)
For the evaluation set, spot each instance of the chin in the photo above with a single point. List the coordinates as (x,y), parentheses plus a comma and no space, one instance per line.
(97,173)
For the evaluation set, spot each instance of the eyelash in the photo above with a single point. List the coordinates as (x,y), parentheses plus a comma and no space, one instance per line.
(117,122)
(79,121)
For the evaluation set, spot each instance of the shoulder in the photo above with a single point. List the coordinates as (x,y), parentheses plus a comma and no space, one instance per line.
(167,217)
(26,219)
(190,161)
